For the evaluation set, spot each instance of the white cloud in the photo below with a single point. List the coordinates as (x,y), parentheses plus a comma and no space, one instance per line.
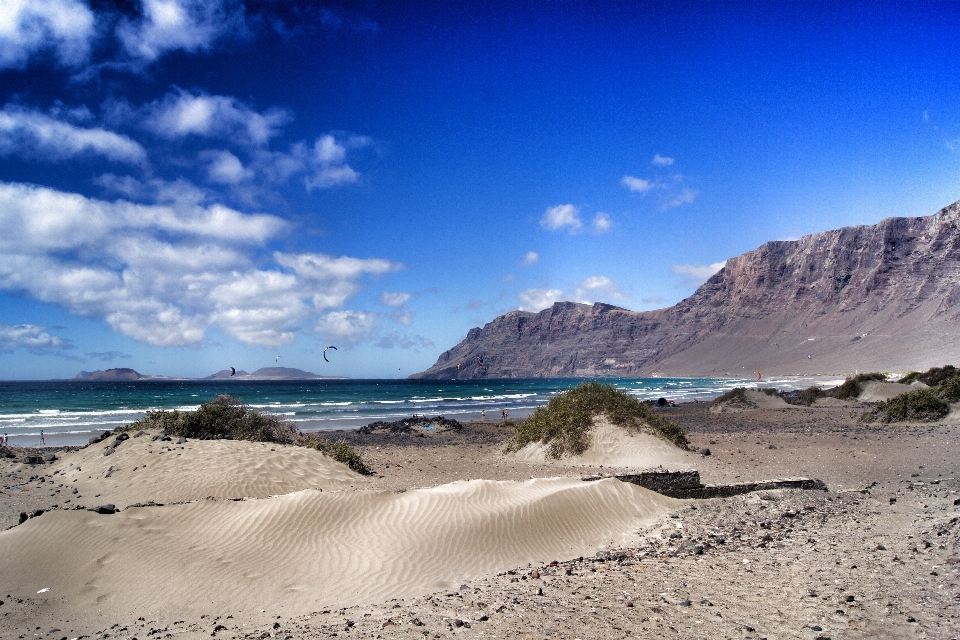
(225,168)
(698,272)
(602,223)
(347,326)
(186,25)
(532,257)
(687,196)
(662,161)
(30,133)
(33,26)
(397,299)
(560,216)
(595,288)
(30,337)
(328,162)
(166,274)
(508,278)
(403,341)
(538,299)
(180,114)
(637,184)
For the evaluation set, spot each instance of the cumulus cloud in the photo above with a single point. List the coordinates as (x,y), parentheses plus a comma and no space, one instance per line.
(596,288)
(225,168)
(662,161)
(687,196)
(395,299)
(602,223)
(28,27)
(347,326)
(184,25)
(538,299)
(637,184)
(403,341)
(29,133)
(508,278)
(166,274)
(532,257)
(560,216)
(698,272)
(328,161)
(30,337)
(180,114)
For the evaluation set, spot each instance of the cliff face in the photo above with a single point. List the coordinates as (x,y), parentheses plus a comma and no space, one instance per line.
(880,297)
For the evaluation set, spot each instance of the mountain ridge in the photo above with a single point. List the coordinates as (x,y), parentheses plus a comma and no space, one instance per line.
(883,296)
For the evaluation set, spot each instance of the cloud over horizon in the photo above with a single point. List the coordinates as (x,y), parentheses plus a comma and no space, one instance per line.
(166,274)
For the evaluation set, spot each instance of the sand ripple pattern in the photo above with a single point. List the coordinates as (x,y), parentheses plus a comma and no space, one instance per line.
(310,550)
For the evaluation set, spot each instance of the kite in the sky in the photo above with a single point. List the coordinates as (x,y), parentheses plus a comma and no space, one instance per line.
(325,351)
(232,371)
(277,359)
(758,375)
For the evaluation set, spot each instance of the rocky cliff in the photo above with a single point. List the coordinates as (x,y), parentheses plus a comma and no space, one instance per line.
(881,297)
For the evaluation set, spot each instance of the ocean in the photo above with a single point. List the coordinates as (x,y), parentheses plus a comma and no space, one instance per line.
(72,411)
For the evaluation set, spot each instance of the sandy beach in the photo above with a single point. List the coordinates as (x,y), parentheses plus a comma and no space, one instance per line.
(452,537)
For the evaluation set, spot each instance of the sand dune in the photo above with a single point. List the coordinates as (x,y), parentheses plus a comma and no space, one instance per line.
(310,550)
(878,391)
(614,446)
(142,470)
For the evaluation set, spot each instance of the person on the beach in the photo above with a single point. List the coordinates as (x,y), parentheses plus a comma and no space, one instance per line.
(42,441)
(483,414)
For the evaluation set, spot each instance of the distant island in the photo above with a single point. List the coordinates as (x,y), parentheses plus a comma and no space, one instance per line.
(264,373)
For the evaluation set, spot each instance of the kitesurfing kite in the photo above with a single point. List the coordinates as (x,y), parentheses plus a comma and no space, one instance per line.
(277,359)
(325,351)
(232,371)
(758,375)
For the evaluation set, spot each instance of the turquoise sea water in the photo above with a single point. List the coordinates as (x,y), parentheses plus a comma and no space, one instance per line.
(71,411)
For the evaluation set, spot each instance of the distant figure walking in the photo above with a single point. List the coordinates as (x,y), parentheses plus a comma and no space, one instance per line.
(42,441)
(483,414)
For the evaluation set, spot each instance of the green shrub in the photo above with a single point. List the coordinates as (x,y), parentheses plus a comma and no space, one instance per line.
(567,419)
(737,395)
(853,387)
(932,376)
(808,396)
(224,417)
(339,451)
(922,405)
(228,418)
(949,390)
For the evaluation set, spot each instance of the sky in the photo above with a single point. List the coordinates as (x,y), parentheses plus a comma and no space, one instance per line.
(190,185)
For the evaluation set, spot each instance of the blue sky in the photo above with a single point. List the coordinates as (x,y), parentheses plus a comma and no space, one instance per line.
(187,186)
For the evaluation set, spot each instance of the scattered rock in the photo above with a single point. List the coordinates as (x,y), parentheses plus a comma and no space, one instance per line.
(705,451)
(181,440)
(106,509)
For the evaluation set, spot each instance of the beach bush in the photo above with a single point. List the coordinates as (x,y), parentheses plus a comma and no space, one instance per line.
(338,450)
(807,396)
(949,390)
(224,417)
(933,376)
(227,418)
(923,405)
(852,387)
(737,395)
(567,419)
